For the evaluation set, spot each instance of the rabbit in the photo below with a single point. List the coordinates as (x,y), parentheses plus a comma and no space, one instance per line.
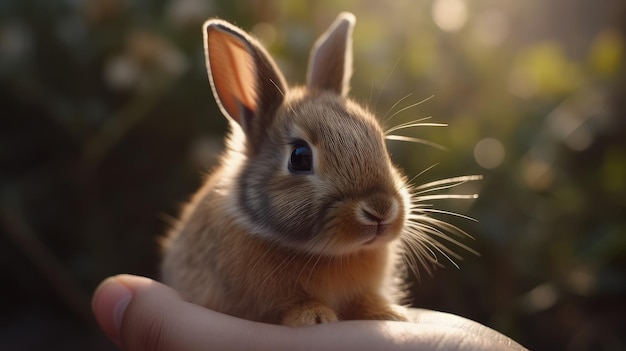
(300,222)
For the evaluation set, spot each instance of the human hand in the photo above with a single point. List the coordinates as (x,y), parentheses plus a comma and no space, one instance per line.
(141,314)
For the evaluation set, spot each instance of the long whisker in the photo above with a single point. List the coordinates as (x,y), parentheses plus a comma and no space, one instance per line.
(432,210)
(411,122)
(416,254)
(387,80)
(413,125)
(451,196)
(409,106)
(430,190)
(426,238)
(442,186)
(419,245)
(422,172)
(437,246)
(277,88)
(427,222)
(461,179)
(385,119)
(371,92)
(414,140)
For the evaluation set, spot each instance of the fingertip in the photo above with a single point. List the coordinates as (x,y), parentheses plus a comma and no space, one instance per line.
(109,303)
(155,313)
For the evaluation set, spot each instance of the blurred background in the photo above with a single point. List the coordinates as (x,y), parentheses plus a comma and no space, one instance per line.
(107,124)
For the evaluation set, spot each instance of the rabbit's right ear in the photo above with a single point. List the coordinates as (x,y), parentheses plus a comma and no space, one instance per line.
(330,63)
(245,81)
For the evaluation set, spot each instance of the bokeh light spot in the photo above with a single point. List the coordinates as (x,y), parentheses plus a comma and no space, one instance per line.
(540,298)
(449,15)
(489,153)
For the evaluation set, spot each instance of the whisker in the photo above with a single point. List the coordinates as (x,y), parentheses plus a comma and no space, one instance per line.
(279,268)
(461,179)
(439,247)
(409,106)
(432,210)
(384,119)
(409,122)
(452,229)
(418,245)
(441,197)
(423,260)
(277,88)
(414,124)
(319,256)
(312,252)
(422,173)
(414,140)
(426,237)
(442,186)
(310,257)
(415,256)
(371,92)
(421,244)
(387,80)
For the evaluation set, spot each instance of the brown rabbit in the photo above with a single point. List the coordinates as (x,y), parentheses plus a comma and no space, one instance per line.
(299,223)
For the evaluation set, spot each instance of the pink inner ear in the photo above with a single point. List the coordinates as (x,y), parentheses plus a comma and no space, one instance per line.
(233,72)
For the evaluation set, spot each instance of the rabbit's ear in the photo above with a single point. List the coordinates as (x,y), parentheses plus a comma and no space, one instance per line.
(330,64)
(245,81)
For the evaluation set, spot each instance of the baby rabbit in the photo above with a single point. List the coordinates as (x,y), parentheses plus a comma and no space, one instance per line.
(299,224)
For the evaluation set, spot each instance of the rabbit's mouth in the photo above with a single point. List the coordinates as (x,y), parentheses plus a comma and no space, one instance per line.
(378,233)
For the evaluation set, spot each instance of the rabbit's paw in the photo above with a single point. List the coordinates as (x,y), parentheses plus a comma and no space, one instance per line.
(394,313)
(309,313)
(374,307)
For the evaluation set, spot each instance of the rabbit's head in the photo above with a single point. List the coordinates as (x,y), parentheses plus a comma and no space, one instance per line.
(311,169)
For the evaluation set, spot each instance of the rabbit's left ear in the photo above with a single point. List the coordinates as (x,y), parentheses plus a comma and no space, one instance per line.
(330,63)
(245,80)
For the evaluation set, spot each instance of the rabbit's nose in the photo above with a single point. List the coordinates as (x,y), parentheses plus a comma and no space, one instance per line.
(378,209)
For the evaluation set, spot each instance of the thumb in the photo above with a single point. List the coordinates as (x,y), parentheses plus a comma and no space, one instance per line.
(141,314)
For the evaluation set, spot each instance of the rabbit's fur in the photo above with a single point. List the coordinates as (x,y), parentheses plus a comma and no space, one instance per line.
(269,237)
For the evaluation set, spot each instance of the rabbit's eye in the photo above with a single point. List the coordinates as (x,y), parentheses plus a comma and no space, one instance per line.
(301,159)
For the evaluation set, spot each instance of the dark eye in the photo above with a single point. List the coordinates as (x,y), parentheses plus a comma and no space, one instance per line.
(301,159)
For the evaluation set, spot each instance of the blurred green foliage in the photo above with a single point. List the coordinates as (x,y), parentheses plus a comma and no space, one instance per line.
(108,124)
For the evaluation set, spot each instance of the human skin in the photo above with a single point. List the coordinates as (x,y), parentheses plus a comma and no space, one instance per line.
(139,314)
